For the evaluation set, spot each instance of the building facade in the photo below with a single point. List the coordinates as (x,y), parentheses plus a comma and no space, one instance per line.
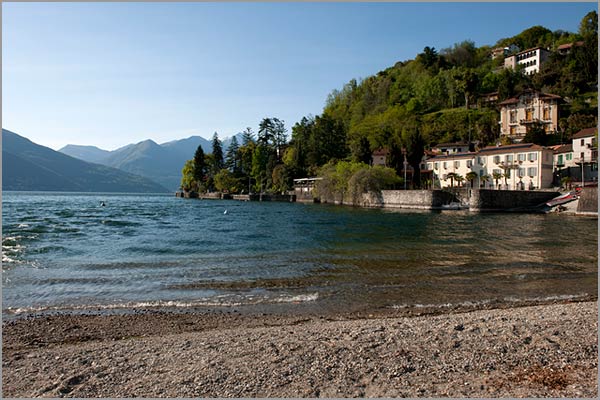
(531,60)
(523,166)
(525,109)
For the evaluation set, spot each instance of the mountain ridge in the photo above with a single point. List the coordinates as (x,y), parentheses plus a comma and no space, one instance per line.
(29,166)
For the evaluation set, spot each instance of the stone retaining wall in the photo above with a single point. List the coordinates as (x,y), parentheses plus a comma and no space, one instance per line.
(588,201)
(508,200)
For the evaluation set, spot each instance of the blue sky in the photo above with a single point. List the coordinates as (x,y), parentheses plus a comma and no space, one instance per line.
(110,74)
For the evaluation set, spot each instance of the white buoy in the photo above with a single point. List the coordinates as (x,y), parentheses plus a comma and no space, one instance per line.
(225,212)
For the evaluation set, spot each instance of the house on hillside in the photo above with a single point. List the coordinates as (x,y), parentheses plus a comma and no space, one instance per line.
(501,52)
(528,107)
(380,157)
(565,49)
(446,168)
(530,59)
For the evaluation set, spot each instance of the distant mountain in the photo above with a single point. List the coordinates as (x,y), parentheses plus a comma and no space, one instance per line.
(29,166)
(161,163)
(150,160)
(86,153)
(187,147)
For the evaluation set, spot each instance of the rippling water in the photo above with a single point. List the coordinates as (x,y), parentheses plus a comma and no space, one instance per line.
(65,251)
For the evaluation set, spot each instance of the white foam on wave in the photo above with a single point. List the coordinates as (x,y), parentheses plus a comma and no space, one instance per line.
(488,301)
(218,301)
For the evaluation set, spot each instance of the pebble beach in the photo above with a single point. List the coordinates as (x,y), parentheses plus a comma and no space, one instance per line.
(546,350)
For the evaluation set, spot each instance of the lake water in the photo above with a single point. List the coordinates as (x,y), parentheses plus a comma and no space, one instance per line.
(66,252)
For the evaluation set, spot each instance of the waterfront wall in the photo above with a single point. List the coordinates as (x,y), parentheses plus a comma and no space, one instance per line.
(588,201)
(508,200)
(411,199)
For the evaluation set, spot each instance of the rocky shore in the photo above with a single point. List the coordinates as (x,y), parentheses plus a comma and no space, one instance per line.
(534,351)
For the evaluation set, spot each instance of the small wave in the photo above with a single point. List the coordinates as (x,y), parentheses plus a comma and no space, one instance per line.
(23,226)
(219,301)
(113,222)
(539,299)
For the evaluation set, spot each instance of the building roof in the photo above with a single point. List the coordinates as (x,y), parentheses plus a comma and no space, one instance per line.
(587,132)
(451,145)
(532,49)
(515,99)
(444,157)
(562,148)
(569,45)
(381,152)
(512,148)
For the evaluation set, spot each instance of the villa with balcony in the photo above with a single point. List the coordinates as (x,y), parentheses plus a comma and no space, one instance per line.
(529,107)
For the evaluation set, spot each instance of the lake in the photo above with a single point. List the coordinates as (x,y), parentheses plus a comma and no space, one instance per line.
(66,252)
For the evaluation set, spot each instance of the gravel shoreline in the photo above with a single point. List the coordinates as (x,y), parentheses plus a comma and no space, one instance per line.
(533,351)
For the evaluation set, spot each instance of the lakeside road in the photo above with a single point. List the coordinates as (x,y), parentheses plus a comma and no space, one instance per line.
(533,351)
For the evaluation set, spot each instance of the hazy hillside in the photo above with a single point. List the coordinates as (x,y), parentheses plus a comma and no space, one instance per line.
(187,147)
(148,159)
(29,166)
(85,153)
(160,163)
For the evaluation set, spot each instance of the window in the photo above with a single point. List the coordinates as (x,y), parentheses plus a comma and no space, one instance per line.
(569,156)
(480,172)
(532,156)
(521,157)
(496,159)
(435,165)
(469,163)
(480,160)
(546,113)
(560,160)
(529,114)
(582,156)
(445,165)
(456,164)
(532,171)
(513,117)
(508,173)
(521,172)
(583,142)
(508,158)
(497,171)
(513,130)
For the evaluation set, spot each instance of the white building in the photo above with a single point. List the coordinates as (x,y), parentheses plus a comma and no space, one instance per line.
(451,148)
(521,166)
(585,147)
(563,156)
(530,59)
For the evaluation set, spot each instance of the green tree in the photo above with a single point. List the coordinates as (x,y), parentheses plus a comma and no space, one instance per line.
(232,156)
(496,176)
(247,136)
(536,134)
(199,164)
(217,154)
(471,176)
(226,182)
(188,181)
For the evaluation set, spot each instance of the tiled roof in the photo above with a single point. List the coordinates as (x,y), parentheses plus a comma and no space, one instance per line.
(515,99)
(587,132)
(564,148)
(443,157)
(451,145)
(381,152)
(510,148)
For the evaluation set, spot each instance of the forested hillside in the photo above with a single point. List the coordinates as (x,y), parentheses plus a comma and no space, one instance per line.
(440,97)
